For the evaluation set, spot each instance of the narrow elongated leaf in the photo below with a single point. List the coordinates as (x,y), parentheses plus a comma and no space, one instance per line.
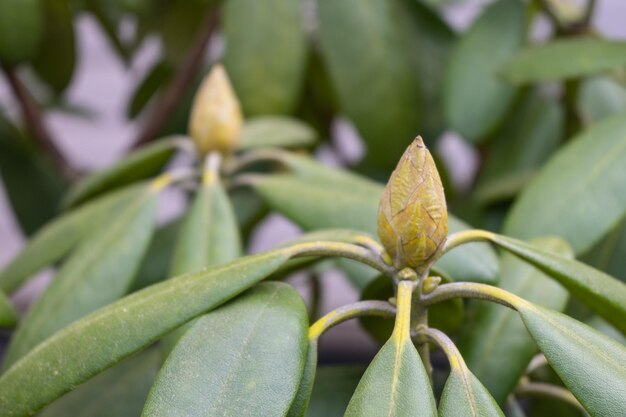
(20,29)
(276,131)
(601,292)
(98,273)
(564,59)
(141,164)
(579,195)
(158,259)
(57,238)
(156,77)
(133,323)
(608,255)
(600,97)
(8,317)
(337,201)
(464,395)
(497,348)
(119,391)
(265,61)
(56,56)
(245,359)
(475,97)
(300,403)
(598,381)
(333,388)
(365,50)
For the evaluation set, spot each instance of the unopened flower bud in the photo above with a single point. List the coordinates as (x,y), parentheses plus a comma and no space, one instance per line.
(412,216)
(216,119)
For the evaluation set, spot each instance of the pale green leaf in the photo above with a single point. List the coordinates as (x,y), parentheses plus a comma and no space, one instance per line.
(276,131)
(464,396)
(600,97)
(8,317)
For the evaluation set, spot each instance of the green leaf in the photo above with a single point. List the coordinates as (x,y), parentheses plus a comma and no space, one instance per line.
(608,254)
(464,395)
(525,142)
(601,292)
(21,29)
(321,197)
(564,59)
(8,317)
(394,384)
(598,381)
(333,388)
(32,183)
(179,23)
(264,60)
(301,401)
(133,323)
(579,195)
(119,391)
(497,348)
(475,98)
(139,165)
(600,97)
(365,47)
(56,58)
(276,131)
(99,272)
(158,259)
(245,358)
(148,87)
(58,237)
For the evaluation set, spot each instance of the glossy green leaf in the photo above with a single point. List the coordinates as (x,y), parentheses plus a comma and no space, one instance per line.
(592,366)
(8,317)
(58,237)
(133,322)
(265,61)
(496,347)
(156,263)
(464,395)
(56,58)
(144,163)
(99,272)
(602,293)
(600,97)
(119,391)
(579,195)
(475,97)
(394,384)
(525,142)
(32,183)
(365,48)
(301,401)
(334,199)
(21,29)
(565,58)
(148,87)
(244,359)
(333,388)
(276,131)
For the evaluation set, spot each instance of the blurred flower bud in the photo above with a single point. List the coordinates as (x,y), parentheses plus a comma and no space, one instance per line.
(412,216)
(215,121)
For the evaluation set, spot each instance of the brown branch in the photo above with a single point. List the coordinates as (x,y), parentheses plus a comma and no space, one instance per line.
(176,89)
(33,119)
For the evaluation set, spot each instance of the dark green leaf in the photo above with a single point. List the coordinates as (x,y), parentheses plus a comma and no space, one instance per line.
(141,164)
(564,59)
(333,388)
(179,24)
(265,60)
(599,291)
(579,195)
(592,366)
(365,49)
(475,98)
(158,259)
(600,97)
(8,317)
(244,359)
(133,323)
(608,254)
(99,272)
(300,405)
(56,58)
(276,131)
(33,185)
(496,347)
(119,391)
(21,29)
(58,237)
(158,75)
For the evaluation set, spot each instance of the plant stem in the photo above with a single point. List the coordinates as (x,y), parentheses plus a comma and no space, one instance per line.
(35,124)
(211,171)
(549,390)
(445,343)
(472,290)
(176,89)
(351,311)
(466,236)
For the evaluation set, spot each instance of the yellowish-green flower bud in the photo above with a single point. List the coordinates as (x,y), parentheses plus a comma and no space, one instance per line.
(412,216)
(216,119)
